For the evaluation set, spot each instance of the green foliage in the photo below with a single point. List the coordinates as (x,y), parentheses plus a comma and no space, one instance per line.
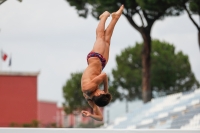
(34,123)
(14,124)
(73,94)
(53,125)
(113,91)
(129,71)
(151,9)
(26,125)
(170,70)
(96,6)
(165,7)
(90,124)
(194,6)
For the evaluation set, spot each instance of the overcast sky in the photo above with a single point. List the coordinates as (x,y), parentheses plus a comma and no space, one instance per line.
(49,37)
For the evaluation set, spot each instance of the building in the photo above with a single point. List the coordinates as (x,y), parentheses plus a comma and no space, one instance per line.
(18,97)
(19,104)
(49,114)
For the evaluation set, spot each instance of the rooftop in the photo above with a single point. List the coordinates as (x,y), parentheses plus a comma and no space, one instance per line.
(11,73)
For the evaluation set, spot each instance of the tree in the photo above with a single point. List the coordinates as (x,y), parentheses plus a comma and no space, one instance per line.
(148,11)
(193,8)
(171,71)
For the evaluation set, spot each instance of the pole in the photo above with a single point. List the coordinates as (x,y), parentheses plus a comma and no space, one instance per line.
(108,117)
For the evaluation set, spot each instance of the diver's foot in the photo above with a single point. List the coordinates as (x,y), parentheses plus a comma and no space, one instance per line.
(105,14)
(118,13)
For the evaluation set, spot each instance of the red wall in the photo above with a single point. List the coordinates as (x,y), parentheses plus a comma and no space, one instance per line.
(60,117)
(47,113)
(18,99)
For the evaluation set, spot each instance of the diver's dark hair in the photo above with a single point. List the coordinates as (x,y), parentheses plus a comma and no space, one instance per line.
(102,100)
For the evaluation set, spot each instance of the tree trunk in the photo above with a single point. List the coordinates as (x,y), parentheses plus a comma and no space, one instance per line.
(146,65)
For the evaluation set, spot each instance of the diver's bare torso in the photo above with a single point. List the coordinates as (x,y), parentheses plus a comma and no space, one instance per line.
(93,70)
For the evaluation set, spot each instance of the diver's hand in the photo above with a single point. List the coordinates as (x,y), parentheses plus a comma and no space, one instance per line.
(97,117)
(85,113)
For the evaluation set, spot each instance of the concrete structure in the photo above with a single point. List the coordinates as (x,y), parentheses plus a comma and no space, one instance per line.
(20,106)
(47,113)
(176,111)
(18,97)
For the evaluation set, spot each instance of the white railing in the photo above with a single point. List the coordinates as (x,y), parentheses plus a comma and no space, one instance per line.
(88,130)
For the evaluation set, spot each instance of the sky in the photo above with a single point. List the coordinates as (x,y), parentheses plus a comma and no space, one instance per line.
(49,37)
